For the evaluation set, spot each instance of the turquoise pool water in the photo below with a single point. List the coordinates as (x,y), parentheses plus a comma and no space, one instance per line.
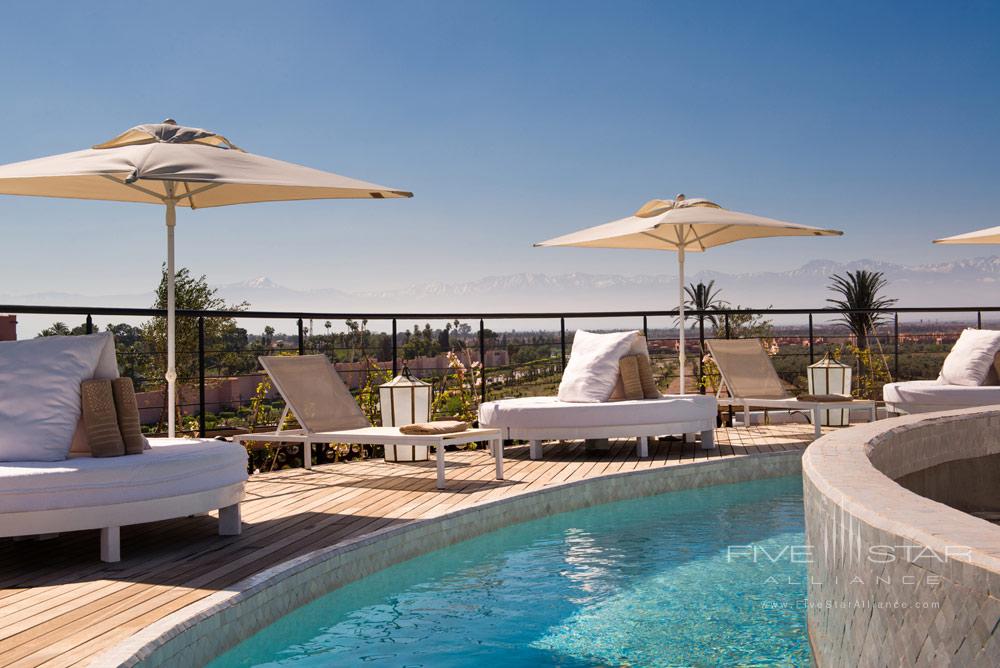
(704,577)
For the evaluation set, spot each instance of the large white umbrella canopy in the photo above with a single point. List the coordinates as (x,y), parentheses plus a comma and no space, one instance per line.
(683,225)
(990,235)
(168,164)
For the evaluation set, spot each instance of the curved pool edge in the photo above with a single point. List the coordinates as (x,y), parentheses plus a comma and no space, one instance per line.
(198,633)
(876,542)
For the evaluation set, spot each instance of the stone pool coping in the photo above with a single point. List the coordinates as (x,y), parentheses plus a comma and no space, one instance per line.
(853,503)
(203,630)
(857,467)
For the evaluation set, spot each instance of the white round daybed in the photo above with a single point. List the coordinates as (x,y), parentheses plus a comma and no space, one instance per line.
(538,419)
(174,478)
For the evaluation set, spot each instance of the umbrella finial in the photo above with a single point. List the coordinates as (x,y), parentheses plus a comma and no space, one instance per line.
(169,121)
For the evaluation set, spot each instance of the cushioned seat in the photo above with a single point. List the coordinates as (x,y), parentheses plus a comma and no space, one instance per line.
(550,412)
(172,467)
(546,418)
(923,396)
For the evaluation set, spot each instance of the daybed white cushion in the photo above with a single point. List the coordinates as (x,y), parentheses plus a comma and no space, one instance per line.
(592,370)
(929,395)
(40,392)
(550,412)
(172,467)
(971,358)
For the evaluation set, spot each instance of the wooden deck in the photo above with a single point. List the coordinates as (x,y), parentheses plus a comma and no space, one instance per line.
(60,606)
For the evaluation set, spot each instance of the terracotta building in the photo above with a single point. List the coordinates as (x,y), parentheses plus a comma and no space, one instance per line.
(8,327)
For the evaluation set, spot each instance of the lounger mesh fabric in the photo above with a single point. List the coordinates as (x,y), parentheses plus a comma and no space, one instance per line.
(171,467)
(315,393)
(746,369)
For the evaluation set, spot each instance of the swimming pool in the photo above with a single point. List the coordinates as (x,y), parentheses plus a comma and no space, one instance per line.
(701,577)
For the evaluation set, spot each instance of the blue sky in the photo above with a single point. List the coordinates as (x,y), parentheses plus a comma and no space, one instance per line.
(512,122)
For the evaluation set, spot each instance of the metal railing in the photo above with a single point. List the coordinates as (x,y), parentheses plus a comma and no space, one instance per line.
(699,318)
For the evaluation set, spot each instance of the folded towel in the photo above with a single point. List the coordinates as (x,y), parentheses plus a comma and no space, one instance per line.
(823,397)
(433,428)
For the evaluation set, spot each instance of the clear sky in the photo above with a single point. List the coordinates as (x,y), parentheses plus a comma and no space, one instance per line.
(512,122)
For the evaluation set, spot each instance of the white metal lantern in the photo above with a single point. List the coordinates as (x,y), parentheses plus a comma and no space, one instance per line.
(405,400)
(828,376)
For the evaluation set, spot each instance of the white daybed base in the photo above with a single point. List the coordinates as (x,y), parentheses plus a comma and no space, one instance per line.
(110,518)
(814,407)
(538,419)
(640,432)
(928,396)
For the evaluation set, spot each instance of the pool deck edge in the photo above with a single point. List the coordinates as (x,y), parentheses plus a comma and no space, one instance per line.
(198,633)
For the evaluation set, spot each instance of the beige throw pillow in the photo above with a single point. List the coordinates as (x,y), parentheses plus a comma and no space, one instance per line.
(649,388)
(127,410)
(638,347)
(631,384)
(100,420)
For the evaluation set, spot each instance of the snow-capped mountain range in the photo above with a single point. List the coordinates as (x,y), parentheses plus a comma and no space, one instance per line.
(960,283)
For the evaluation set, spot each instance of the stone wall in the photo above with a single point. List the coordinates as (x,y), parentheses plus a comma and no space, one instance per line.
(897,579)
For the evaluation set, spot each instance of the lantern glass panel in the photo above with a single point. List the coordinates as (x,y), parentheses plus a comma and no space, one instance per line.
(405,400)
(830,377)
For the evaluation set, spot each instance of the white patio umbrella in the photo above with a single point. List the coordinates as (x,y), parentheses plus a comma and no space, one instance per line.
(167,164)
(683,225)
(990,235)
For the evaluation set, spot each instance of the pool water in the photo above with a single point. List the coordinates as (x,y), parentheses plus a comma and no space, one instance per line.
(703,577)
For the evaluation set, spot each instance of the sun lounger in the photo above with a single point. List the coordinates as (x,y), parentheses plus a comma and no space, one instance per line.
(327,413)
(751,381)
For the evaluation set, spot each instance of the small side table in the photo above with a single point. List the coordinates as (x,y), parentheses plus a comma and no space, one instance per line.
(392,436)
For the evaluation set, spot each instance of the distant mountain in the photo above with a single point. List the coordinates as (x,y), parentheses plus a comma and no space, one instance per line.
(952,283)
(959,283)
(263,293)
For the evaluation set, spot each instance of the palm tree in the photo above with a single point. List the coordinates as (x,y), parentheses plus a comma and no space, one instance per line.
(57,329)
(704,297)
(860,291)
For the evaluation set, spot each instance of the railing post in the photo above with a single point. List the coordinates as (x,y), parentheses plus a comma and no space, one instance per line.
(979,319)
(645,327)
(701,357)
(302,339)
(395,351)
(562,342)
(729,334)
(90,324)
(895,344)
(812,341)
(482,360)
(201,376)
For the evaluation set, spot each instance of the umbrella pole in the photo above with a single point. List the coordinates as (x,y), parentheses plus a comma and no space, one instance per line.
(680,265)
(171,376)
